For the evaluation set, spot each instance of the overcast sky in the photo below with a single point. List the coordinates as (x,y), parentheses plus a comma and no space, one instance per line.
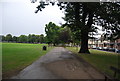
(18,17)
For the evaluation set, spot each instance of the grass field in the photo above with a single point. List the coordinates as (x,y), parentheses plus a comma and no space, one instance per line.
(0,60)
(16,56)
(100,59)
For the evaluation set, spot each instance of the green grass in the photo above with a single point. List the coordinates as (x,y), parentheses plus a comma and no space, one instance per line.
(0,59)
(16,56)
(100,59)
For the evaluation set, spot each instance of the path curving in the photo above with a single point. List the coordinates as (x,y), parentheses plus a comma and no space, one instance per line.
(59,63)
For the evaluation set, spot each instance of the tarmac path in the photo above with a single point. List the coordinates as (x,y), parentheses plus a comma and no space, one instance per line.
(59,63)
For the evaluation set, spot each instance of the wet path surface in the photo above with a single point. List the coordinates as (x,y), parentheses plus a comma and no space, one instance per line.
(59,63)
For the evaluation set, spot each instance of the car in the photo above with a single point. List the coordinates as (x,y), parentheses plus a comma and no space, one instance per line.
(105,48)
(111,49)
(99,48)
(94,47)
(118,51)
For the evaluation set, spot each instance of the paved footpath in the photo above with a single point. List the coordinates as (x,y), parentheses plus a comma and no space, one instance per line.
(59,63)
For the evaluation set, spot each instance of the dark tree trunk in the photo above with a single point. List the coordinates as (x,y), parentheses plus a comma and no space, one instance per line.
(54,44)
(85,27)
(84,42)
(85,30)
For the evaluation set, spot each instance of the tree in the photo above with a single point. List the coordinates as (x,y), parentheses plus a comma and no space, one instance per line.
(115,35)
(42,38)
(23,39)
(52,31)
(81,16)
(65,35)
(14,39)
(3,38)
(31,38)
(8,37)
(45,39)
(37,40)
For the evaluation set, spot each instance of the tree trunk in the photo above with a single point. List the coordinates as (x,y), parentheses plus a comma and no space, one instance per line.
(85,31)
(54,44)
(84,42)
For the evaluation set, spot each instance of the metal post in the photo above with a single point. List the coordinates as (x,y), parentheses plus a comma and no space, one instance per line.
(115,46)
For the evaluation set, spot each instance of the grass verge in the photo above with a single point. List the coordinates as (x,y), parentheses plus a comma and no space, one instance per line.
(16,56)
(100,59)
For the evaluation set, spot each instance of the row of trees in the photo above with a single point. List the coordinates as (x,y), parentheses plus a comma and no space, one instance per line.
(31,38)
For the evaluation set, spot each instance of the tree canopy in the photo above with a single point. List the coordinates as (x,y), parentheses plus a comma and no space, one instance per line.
(83,16)
(56,34)
(8,37)
(52,31)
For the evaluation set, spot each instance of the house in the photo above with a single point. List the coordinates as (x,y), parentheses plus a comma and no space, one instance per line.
(104,44)
(117,41)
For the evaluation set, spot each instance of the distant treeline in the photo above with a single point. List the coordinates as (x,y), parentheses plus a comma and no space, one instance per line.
(55,35)
(31,38)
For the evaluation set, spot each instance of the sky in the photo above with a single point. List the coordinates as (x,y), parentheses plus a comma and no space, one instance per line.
(18,17)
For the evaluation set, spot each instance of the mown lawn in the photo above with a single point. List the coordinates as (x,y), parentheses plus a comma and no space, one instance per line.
(16,56)
(0,60)
(100,59)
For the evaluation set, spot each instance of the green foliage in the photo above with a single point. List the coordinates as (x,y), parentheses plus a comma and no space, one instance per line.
(65,35)
(3,38)
(23,39)
(8,37)
(40,38)
(56,35)
(31,38)
(52,31)
(76,36)
(14,39)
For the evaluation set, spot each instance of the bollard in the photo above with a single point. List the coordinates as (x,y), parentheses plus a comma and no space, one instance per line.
(44,48)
